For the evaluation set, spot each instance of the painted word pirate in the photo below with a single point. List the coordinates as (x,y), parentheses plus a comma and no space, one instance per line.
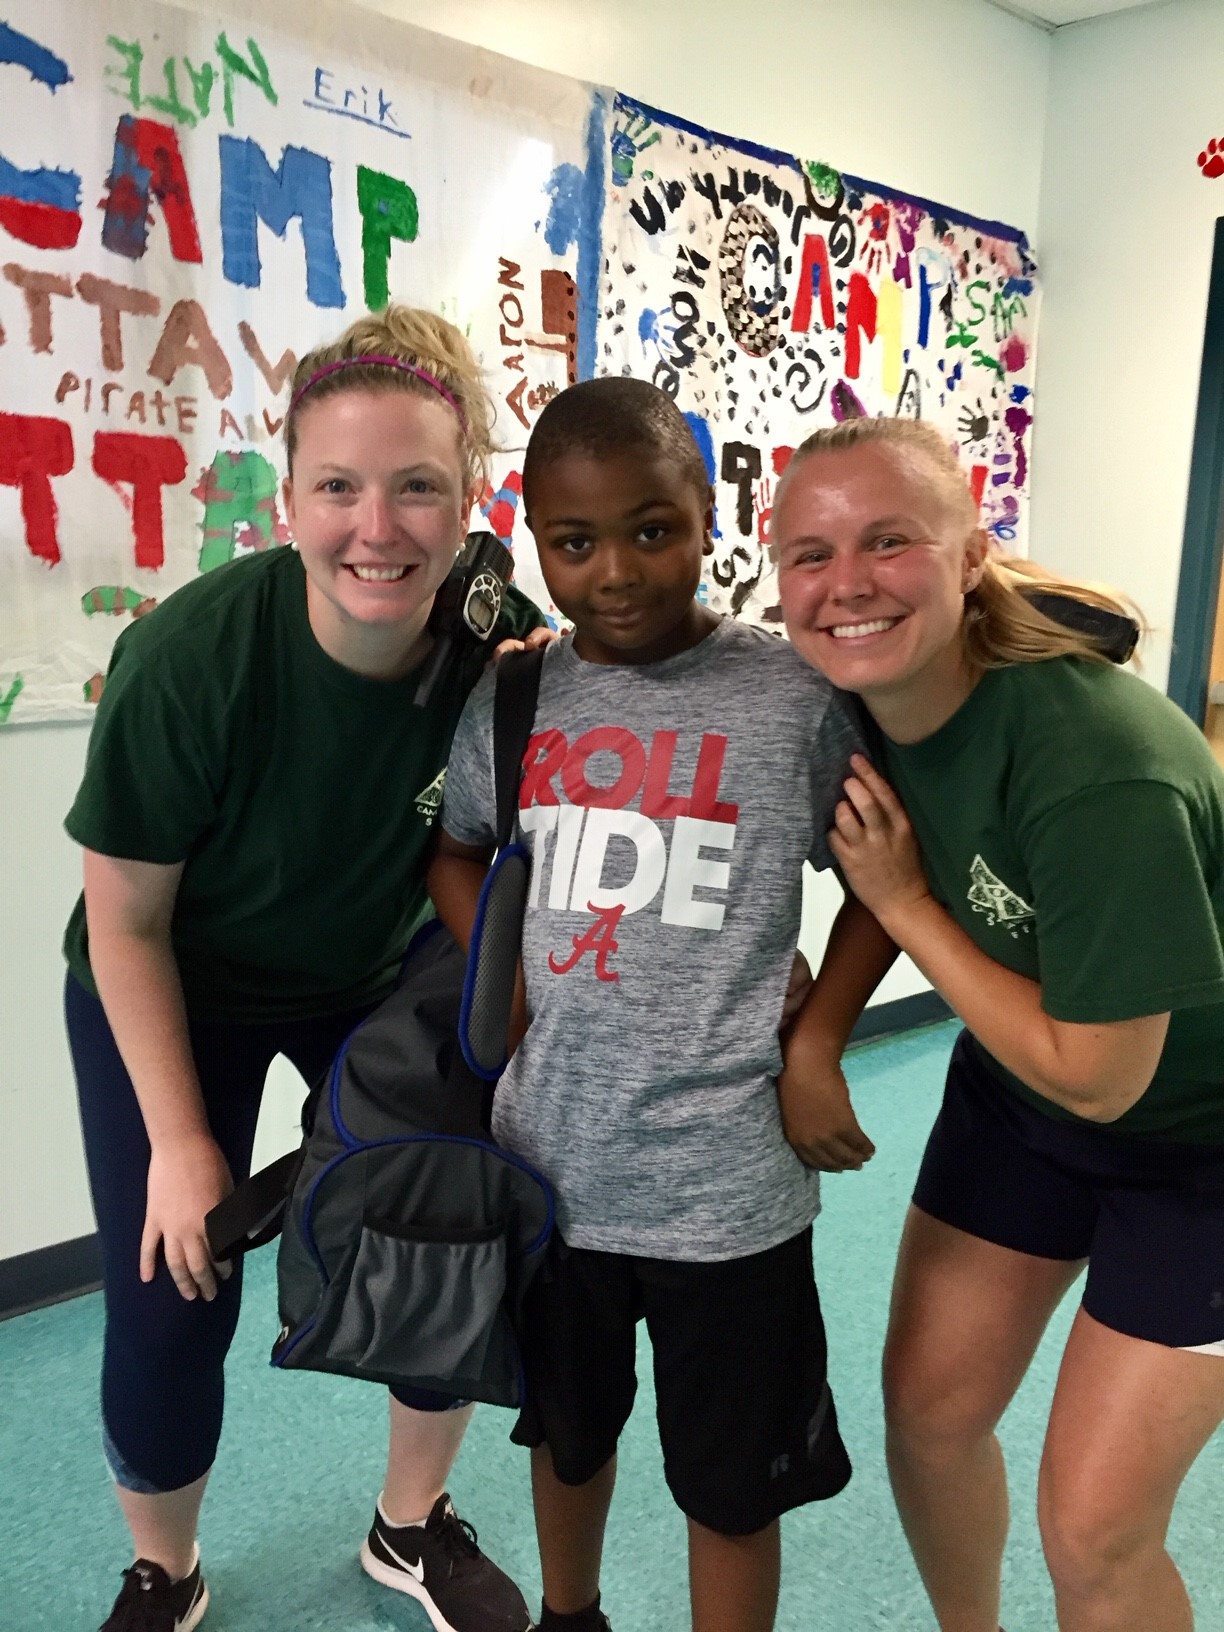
(595,853)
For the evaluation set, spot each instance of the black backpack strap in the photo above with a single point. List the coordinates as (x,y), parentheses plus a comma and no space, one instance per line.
(251,1214)
(514,705)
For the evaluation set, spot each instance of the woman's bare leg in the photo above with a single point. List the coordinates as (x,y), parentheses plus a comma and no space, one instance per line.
(1129,1418)
(966,1318)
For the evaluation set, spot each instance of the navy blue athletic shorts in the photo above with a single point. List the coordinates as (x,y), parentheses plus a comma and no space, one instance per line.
(1146,1214)
(745,1415)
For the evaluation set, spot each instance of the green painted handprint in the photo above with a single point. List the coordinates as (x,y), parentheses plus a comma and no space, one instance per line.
(628,141)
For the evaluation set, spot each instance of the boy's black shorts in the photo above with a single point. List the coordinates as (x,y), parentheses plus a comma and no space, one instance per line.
(745,1415)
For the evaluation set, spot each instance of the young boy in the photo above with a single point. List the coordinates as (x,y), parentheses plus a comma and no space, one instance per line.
(682,768)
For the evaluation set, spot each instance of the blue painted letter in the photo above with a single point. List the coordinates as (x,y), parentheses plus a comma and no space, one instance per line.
(251,191)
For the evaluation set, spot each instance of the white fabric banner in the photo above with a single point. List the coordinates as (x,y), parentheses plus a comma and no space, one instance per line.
(188,204)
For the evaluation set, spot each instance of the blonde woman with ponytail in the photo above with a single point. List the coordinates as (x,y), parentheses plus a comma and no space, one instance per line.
(1043,834)
(256,816)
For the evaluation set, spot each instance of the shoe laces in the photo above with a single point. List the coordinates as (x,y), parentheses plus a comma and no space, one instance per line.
(140,1606)
(458,1538)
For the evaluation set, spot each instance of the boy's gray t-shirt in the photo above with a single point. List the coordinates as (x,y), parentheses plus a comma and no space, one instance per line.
(668,808)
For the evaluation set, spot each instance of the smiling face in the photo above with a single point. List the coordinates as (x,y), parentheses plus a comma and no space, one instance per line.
(876,548)
(377,506)
(620,540)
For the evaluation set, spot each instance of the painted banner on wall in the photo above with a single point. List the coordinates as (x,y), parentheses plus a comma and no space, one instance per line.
(189,204)
(769,296)
(186,206)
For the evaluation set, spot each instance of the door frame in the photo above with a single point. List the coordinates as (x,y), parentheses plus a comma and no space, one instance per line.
(1198,586)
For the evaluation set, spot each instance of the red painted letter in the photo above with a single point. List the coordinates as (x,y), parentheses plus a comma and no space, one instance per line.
(706,806)
(543,760)
(149,463)
(148,163)
(814,272)
(860,318)
(657,803)
(31,452)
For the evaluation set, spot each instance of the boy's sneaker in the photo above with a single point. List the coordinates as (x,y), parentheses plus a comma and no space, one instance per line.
(587,1620)
(439,1564)
(151,1602)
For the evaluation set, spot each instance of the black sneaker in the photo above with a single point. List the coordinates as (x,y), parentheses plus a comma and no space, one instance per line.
(439,1564)
(151,1602)
(592,1620)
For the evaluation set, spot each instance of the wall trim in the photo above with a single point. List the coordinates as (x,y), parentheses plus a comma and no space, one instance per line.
(902,1014)
(49,1274)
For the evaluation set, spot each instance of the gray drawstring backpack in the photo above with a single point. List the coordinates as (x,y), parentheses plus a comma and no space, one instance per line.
(408,1236)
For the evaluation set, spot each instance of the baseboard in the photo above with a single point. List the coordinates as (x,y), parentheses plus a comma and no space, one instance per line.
(902,1014)
(49,1274)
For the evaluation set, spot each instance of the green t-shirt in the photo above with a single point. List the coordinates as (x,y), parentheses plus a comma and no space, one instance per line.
(300,795)
(1071,820)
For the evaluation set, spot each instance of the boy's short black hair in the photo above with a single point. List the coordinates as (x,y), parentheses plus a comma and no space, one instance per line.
(610,416)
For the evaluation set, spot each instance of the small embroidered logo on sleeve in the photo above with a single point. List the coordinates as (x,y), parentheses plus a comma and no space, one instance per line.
(988,894)
(429,800)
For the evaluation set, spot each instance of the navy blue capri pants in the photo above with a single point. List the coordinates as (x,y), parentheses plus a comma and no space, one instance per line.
(163,1357)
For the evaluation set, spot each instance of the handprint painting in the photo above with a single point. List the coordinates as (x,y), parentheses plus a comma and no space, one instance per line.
(768,296)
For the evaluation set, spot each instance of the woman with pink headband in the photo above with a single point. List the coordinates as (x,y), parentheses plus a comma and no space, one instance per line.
(255,814)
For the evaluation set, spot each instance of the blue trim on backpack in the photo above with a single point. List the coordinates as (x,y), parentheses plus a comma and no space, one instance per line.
(354,1147)
(342,1132)
(469,973)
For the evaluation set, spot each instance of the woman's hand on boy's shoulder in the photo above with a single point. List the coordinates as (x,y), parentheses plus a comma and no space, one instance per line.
(541,636)
(817,1116)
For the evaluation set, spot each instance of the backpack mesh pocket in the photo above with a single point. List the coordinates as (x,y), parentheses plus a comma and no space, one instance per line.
(419,1303)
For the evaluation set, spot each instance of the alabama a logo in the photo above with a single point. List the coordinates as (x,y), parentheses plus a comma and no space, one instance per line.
(1002,906)
(429,800)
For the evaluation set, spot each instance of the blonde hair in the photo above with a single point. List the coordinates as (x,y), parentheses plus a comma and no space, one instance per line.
(418,339)
(1001,625)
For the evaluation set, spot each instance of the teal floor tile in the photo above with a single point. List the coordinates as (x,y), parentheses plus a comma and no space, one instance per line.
(301,1460)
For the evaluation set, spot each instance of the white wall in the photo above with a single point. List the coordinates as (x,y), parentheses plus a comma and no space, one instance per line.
(942,98)
(44,1194)
(1125,240)
(43,1197)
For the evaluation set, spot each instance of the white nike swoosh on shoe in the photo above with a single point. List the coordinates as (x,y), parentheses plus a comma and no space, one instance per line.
(195,1613)
(417,1570)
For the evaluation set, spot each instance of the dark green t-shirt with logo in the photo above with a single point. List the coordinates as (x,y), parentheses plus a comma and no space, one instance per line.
(301,796)
(1071,820)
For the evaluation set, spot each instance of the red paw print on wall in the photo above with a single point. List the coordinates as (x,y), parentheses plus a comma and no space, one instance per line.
(1211,159)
